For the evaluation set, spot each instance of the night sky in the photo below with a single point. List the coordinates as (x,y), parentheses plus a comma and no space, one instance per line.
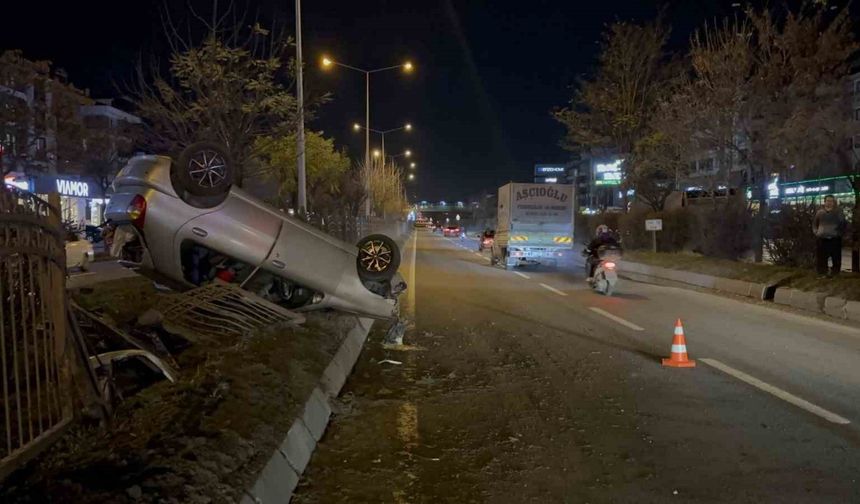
(488,72)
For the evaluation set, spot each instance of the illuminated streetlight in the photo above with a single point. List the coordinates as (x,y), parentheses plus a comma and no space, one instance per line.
(411,176)
(356,127)
(376,153)
(408,127)
(407,153)
(407,67)
(412,165)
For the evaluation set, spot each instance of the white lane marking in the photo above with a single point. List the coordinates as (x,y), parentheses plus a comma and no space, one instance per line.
(410,288)
(521,274)
(553,289)
(615,318)
(782,394)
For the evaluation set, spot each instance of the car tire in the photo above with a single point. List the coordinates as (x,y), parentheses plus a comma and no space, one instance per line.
(378,257)
(204,169)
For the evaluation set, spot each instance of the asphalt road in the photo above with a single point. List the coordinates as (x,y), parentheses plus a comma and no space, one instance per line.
(525,386)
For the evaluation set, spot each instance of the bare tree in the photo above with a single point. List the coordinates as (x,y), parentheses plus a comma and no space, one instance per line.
(611,112)
(232,86)
(39,122)
(768,91)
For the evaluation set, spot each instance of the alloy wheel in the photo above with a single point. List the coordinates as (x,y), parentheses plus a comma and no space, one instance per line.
(207,168)
(375,256)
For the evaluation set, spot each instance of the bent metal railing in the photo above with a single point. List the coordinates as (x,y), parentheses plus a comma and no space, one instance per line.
(36,389)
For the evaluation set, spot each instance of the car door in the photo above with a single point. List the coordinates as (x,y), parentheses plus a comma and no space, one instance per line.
(238,228)
(312,258)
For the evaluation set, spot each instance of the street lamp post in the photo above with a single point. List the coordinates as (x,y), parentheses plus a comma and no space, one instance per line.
(300,133)
(382,133)
(407,67)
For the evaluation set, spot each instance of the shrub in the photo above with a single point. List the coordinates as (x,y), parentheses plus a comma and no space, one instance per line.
(724,230)
(673,238)
(789,238)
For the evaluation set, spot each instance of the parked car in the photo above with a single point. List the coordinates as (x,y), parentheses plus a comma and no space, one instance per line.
(79,252)
(485,240)
(454,231)
(185,220)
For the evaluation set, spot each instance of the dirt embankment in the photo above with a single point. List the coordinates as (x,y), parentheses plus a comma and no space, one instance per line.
(203,439)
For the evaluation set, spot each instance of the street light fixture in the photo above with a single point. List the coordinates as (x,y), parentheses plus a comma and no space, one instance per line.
(412,165)
(406,127)
(411,176)
(407,67)
(376,153)
(406,153)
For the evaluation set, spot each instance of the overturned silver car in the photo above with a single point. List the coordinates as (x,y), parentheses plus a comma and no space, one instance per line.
(185,220)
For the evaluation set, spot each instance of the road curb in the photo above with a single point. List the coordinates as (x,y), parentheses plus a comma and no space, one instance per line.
(743,288)
(280,476)
(815,302)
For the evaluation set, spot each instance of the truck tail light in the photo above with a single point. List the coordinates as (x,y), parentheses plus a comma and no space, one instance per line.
(137,211)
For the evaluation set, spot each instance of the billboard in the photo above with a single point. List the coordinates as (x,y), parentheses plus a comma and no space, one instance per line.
(608,174)
(550,170)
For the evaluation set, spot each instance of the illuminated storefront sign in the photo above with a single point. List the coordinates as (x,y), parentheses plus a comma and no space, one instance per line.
(74,187)
(608,174)
(549,169)
(20,183)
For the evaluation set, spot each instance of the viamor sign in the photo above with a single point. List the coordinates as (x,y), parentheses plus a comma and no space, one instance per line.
(73,188)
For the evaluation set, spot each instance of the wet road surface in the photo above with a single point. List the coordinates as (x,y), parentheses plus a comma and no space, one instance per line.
(525,386)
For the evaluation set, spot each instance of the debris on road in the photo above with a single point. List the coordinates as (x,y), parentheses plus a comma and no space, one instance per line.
(389,361)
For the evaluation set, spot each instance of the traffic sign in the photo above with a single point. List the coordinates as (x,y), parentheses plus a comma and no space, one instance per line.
(654,225)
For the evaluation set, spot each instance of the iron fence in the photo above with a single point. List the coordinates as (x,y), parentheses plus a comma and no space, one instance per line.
(36,395)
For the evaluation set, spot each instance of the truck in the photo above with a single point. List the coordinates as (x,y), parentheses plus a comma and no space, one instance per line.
(535,224)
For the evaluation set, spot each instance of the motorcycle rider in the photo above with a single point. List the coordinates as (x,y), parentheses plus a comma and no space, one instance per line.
(603,237)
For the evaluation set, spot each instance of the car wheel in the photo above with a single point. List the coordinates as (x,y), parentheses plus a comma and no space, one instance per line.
(204,169)
(378,257)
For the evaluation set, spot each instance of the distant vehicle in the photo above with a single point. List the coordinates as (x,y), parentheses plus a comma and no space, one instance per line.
(185,220)
(79,252)
(485,240)
(535,224)
(454,231)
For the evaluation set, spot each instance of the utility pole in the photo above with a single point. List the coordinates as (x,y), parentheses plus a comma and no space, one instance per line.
(367,187)
(300,133)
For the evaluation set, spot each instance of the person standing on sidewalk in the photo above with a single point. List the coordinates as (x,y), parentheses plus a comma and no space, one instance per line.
(829,226)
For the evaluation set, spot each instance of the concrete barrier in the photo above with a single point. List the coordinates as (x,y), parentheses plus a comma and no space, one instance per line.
(817,302)
(835,307)
(738,287)
(280,476)
(811,301)
(782,296)
(852,310)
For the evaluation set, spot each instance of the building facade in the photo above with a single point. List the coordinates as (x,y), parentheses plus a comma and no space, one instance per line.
(55,138)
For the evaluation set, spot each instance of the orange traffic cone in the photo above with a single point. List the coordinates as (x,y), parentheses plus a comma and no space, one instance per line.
(679,349)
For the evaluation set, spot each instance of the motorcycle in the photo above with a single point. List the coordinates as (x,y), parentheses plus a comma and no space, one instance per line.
(605,271)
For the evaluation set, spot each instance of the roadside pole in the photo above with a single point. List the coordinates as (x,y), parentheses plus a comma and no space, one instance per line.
(300,132)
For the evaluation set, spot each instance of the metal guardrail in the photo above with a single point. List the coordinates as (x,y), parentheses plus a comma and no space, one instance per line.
(36,390)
